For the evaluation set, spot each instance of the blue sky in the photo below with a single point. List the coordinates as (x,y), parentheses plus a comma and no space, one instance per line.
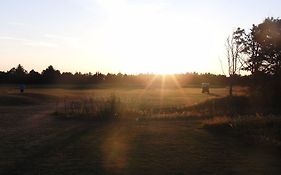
(132,36)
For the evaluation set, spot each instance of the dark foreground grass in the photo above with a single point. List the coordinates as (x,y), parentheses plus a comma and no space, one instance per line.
(51,146)
(254,129)
(235,105)
(24,99)
(32,141)
(238,122)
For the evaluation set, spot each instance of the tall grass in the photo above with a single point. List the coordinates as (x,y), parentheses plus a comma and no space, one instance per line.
(107,108)
(112,107)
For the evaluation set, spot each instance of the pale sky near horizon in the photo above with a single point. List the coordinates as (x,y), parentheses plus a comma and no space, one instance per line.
(128,36)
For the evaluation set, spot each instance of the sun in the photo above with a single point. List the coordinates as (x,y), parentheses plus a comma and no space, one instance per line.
(159,42)
(165,70)
(165,65)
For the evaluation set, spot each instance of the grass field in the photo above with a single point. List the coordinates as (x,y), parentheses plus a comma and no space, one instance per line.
(34,141)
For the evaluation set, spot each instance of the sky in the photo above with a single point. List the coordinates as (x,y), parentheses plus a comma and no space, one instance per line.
(127,36)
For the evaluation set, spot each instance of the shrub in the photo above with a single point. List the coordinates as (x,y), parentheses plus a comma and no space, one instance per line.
(89,108)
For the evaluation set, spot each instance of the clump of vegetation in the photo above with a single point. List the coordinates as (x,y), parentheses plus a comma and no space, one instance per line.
(107,108)
(252,128)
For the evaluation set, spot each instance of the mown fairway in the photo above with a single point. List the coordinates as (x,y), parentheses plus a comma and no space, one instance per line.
(32,141)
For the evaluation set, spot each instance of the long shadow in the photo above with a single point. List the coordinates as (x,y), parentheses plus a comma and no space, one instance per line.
(31,163)
(213,95)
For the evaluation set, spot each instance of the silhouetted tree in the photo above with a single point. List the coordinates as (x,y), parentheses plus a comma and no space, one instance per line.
(262,46)
(268,35)
(34,77)
(262,50)
(233,52)
(17,75)
(3,77)
(50,75)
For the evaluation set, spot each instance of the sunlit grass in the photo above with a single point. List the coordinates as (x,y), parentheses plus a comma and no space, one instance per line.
(145,102)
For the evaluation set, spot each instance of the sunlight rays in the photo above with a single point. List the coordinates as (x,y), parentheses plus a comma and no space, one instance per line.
(148,85)
(163,79)
(162,82)
(178,85)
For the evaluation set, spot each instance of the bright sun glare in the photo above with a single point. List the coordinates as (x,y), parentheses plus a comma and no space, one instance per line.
(152,39)
(122,36)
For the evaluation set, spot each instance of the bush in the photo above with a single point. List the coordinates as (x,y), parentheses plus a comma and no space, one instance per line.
(89,108)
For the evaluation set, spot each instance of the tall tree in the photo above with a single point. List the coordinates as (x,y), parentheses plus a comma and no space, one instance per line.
(262,47)
(50,75)
(34,77)
(233,53)
(18,74)
(268,35)
(262,51)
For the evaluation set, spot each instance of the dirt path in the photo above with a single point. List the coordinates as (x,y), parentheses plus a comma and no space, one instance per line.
(33,142)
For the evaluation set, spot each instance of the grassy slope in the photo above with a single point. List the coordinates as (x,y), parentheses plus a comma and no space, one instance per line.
(33,142)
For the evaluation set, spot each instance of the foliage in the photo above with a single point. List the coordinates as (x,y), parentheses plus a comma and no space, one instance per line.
(52,76)
(89,108)
(261,47)
(233,54)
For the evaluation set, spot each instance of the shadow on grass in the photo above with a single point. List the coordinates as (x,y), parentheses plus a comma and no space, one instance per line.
(253,129)
(25,99)
(213,95)
(35,159)
(235,105)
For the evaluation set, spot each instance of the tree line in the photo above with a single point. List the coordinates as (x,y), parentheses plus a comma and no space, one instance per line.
(257,51)
(50,75)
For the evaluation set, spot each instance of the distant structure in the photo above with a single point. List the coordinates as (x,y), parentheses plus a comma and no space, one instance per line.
(22,87)
(205,88)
